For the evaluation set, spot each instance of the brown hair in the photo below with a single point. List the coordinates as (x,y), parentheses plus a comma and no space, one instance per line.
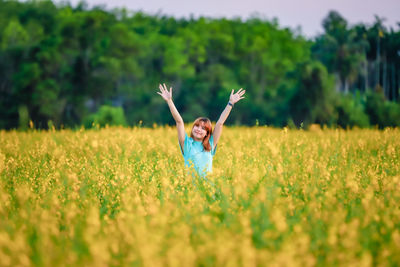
(206,123)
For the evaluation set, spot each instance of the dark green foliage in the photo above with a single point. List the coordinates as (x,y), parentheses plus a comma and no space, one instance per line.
(106,115)
(61,63)
(381,113)
(312,102)
(339,50)
(350,111)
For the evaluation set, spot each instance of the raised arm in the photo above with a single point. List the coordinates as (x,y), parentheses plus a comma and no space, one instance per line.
(234,97)
(167,96)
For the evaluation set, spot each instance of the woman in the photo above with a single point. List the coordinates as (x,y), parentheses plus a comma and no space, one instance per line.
(198,149)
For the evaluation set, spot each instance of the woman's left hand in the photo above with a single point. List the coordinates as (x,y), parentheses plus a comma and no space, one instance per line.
(235,97)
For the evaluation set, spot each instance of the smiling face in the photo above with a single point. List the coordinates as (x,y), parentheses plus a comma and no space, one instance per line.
(201,129)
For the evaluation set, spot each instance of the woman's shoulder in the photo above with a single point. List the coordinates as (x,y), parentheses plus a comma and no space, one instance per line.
(211,140)
(188,139)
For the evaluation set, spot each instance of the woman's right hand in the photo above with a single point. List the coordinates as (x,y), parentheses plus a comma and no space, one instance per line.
(166,95)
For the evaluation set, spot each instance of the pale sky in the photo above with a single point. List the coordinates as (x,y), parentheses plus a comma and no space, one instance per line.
(305,13)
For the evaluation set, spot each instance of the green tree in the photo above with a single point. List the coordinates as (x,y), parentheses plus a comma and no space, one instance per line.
(313,100)
(340,50)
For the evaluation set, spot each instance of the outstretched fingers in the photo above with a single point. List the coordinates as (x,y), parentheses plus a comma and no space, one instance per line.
(161,88)
(241,91)
(165,87)
(239,95)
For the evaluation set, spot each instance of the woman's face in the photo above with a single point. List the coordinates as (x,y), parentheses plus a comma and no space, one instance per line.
(199,132)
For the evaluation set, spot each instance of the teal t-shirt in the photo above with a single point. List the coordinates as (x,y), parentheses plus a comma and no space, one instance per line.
(195,156)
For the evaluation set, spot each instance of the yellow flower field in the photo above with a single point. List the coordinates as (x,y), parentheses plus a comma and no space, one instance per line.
(120,197)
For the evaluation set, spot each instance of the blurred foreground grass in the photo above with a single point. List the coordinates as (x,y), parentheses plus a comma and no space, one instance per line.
(120,196)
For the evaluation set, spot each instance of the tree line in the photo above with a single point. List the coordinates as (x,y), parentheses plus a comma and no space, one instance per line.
(66,66)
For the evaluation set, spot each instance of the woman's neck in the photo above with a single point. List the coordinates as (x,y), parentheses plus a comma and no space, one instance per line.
(196,139)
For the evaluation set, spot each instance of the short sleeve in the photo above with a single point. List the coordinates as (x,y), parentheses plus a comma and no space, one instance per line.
(186,145)
(213,150)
